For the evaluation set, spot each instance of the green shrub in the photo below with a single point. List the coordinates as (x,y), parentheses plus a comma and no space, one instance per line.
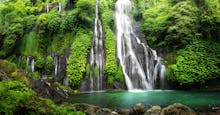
(155,21)
(96,71)
(196,63)
(40,62)
(7,66)
(49,64)
(111,66)
(87,70)
(17,98)
(77,60)
(13,96)
(183,24)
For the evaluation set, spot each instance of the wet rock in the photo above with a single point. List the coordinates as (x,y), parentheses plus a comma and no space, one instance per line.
(177,109)
(154,110)
(4,75)
(93,110)
(117,85)
(105,111)
(114,113)
(124,112)
(48,89)
(87,108)
(138,109)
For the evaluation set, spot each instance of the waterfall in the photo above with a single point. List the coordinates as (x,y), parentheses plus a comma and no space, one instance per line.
(30,63)
(97,54)
(59,8)
(140,63)
(47,8)
(27,63)
(60,63)
(56,65)
(162,77)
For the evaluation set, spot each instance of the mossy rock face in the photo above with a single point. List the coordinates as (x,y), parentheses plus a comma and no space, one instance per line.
(170,58)
(4,75)
(7,66)
(8,71)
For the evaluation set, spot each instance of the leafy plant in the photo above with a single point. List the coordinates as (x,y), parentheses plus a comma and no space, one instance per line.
(77,60)
(196,63)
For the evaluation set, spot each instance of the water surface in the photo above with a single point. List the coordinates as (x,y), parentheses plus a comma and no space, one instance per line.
(124,99)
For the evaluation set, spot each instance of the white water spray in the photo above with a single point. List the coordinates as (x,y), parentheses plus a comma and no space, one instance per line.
(140,64)
(97,57)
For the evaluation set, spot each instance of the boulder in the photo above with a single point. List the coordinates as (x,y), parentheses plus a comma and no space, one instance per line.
(93,110)
(177,109)
(154,110)
(124,112)
(138,109)
(105,111)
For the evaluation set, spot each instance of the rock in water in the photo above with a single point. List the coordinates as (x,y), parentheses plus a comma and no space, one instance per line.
(124,112)
(154,110)
(139,109)
(177,109)
(93,110)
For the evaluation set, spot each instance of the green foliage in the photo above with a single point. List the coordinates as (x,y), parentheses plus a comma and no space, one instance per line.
(119,74)
(210,18)
(17,98)
(40,62)
(196,63)
(183,24)
(155,21)
(11,25)
(111,70)
(54,22)
(30,44)
(85,12)
(29,21)
(49,64)
(87,70)
(96,71)
(60,43)
(13,96)
(7,66)
(77,60)
(111,66)
(107,13)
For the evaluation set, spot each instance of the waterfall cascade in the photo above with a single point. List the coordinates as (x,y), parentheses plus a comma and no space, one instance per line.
(140,64)
(47,8)
(30,63)
(97,55)
(59,8)
(60,63)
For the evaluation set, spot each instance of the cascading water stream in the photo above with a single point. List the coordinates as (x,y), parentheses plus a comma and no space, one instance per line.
(97,55)
(30,63)
(140,64)
(59,8)
(47,8)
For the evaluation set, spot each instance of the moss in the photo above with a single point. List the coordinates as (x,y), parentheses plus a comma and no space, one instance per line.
(96,71)
(7,66)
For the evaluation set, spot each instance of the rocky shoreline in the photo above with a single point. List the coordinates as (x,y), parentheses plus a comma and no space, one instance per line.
(139,109)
